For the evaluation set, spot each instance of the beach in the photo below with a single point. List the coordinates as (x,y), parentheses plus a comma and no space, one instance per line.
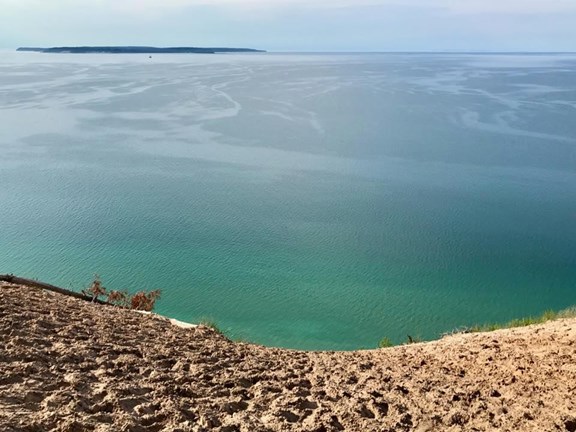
(71,365)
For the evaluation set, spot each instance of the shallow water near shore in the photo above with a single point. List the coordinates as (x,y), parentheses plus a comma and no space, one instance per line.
(307,201)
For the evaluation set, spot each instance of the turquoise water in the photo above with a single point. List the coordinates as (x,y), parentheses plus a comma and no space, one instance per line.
(305,201)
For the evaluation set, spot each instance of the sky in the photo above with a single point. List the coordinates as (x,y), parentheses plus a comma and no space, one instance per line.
(295,25)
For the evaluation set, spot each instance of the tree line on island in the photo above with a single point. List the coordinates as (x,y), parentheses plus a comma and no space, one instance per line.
(138,50)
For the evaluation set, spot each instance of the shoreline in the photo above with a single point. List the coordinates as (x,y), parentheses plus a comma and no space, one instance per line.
(74,365)
(385,342)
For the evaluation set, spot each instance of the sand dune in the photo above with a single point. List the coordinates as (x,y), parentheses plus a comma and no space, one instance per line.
(69,365)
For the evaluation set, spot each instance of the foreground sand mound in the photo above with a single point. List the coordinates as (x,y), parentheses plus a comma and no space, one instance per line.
(69,365)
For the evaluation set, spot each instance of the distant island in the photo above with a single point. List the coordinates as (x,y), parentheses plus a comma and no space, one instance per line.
(138,50)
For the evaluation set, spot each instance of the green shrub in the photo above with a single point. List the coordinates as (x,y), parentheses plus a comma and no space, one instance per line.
(385,343)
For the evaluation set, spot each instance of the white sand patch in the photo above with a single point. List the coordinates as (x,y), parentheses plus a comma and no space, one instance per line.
(182,323)
(173,321)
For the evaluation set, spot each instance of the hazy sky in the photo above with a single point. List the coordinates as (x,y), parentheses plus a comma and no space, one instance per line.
(295,25)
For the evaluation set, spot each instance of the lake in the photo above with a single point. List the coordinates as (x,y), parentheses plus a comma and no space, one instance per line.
(311,201)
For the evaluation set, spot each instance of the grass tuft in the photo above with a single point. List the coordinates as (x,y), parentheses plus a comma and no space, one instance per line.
(210,323)
(548,315)
(567,313)
(385,343)
(413,340)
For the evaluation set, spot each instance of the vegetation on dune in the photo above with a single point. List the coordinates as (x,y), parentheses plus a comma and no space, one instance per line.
(385,343)
(210,323)
(141,300)
(548,315)
(95,290)
(146,300)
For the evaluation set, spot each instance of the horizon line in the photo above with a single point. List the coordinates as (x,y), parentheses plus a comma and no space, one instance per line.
(320,51)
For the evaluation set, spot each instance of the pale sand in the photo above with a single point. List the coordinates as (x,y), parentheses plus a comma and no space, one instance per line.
(69,365)
(172,321)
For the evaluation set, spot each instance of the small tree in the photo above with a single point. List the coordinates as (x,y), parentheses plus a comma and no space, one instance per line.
(96,289)
(118,298)
(144,300)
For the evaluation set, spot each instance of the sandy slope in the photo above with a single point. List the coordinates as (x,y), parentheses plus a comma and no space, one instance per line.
(68,365)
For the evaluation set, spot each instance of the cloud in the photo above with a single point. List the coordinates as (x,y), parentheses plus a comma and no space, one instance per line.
(295,24)
(519,7)
(508,7)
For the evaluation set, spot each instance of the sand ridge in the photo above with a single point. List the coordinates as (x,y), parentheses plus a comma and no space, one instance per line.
(69,365)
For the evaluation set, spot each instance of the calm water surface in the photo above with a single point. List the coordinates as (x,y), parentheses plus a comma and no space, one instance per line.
(306,201)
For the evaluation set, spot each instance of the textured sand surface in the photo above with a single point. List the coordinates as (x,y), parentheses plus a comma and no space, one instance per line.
(69,365)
